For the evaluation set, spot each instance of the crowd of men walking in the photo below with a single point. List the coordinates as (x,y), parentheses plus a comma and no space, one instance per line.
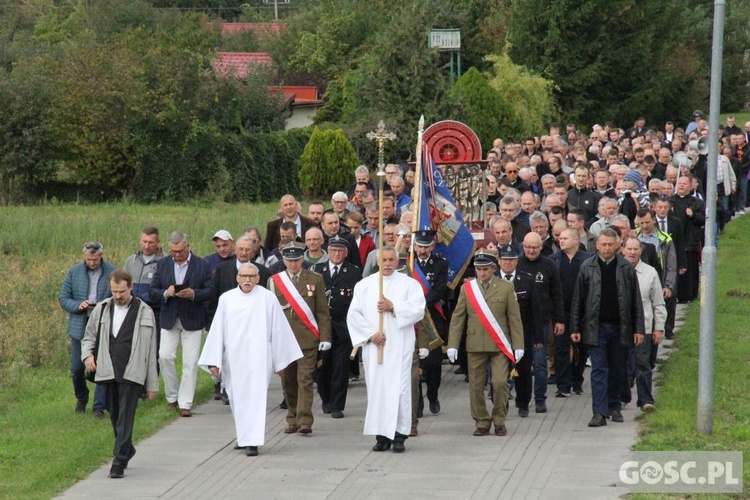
(595,239)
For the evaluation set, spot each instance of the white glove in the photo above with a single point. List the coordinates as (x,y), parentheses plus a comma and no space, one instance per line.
(518,353)
(452,355)
(423,353)
(324,346)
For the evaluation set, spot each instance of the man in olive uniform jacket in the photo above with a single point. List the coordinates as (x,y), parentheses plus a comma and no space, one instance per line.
(302,295)
(340,277)
(488,308)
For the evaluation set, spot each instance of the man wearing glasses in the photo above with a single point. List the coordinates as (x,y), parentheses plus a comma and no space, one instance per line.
(182,285)
(85,284)
(249,340)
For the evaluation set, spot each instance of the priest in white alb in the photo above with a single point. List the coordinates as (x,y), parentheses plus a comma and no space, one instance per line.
(249,340)
(388,416)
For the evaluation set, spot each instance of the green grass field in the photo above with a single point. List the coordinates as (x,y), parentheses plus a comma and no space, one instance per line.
(673,426)
(44,446)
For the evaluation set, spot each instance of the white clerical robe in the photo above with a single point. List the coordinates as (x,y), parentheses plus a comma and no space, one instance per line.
(389,384)
(249,340)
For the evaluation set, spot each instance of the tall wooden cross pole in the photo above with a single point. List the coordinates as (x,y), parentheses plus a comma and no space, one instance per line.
(380,135)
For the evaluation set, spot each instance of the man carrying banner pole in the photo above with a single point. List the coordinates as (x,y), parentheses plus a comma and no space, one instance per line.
(487,307)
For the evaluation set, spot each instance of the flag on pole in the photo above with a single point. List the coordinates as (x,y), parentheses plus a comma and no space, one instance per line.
(438,211)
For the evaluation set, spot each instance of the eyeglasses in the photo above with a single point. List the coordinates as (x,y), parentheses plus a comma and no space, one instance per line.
(92,247)
(178,251)
(247,276)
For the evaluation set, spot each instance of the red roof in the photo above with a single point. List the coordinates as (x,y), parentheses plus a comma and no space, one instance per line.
(238,63)
(263,29)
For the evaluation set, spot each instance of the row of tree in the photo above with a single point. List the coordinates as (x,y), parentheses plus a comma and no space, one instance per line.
(118,97)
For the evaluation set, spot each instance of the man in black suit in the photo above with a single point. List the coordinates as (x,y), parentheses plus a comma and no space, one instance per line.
(692,214)
(671,225)
(340,276)
(288,206)
(182,285)
(528,301)
(432,273)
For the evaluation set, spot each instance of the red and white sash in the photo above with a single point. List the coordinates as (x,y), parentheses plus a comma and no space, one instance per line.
(474,295)
(290,293)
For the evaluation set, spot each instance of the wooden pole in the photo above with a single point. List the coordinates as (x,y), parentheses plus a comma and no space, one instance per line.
(415,222)
(380,136)
(381,245)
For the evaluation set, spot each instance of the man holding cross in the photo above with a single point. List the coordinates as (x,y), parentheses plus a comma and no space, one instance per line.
(388,383)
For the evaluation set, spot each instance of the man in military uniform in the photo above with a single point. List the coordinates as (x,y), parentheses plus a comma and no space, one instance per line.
(302,295)
(528,302)
(491,301)
(431,271)
(340,277)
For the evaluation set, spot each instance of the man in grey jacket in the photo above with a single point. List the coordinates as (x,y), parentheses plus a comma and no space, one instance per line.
(607,315)
(120,346)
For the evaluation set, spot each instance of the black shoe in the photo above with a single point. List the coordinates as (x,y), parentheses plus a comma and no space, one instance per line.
(116,472)
(224,397)
(466,378)
(217,391)
(460,371)
(552,379)
(337,414)
(435,407)
(541,407)
(523,412)
(577,391)
(326,408)
(597,420)
(398,447)
(98,414)
(562,394)
(382,446)
(283,405)
(130,456)
(616,416)
(251,451)
(80,407)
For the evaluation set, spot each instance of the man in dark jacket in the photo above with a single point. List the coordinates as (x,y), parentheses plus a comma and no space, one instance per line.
(547,282)
(607,315)
(692,214)
(182,286)
(568,261)
(528,302)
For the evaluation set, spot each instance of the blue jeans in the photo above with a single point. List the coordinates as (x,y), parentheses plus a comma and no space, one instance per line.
(540,367)
(78,374)
(608,373)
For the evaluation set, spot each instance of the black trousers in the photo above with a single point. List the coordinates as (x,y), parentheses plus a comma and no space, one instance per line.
(687,284)
(569,373)
(524,381)
(432,369)
(121,400)
(333,373)
(671,304)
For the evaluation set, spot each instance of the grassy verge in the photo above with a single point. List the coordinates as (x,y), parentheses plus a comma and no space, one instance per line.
(673,427)
(44,446)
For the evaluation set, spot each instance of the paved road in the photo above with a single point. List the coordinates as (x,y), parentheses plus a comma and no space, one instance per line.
(551,455)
